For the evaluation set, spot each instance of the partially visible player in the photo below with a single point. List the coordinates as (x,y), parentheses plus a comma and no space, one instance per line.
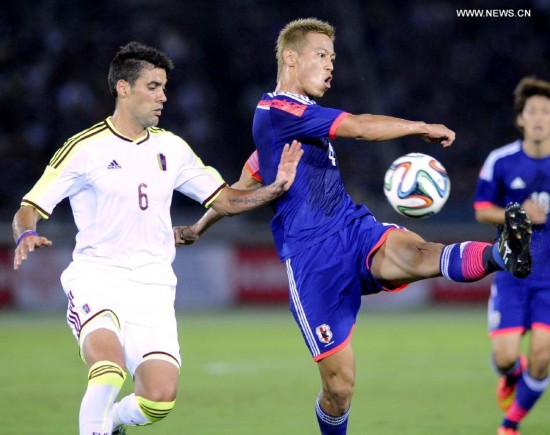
(335,250)
(120,175)
(520,172)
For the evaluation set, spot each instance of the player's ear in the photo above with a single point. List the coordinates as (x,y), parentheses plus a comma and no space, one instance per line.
(289,56)
(122,88)
(519,121)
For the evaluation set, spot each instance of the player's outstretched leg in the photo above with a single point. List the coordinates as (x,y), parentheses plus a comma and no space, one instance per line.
(515,239)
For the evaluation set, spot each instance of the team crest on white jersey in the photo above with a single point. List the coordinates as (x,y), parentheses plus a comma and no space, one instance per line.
(324,333)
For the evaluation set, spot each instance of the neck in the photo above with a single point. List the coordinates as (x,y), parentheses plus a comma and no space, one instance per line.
(126,125)
(287,84)
(536,149)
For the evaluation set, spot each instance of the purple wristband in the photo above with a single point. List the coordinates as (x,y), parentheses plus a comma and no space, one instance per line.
(25,234)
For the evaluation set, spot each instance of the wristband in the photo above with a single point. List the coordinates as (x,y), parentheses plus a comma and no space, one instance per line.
(25,234)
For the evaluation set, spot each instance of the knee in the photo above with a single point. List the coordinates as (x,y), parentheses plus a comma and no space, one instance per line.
(505,358)
(538,363)
(154,410)
(338,390)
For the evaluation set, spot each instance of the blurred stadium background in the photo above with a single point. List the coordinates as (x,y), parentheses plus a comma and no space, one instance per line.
(415,59)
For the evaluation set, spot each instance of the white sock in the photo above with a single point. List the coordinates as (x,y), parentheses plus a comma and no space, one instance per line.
(96,409)
(127,411)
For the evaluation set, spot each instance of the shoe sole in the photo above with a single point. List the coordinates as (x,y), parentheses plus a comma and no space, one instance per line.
(517,241)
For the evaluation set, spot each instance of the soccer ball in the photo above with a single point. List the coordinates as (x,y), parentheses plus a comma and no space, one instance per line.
(417,185)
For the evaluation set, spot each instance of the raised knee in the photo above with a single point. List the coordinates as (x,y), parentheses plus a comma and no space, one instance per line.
(154,410)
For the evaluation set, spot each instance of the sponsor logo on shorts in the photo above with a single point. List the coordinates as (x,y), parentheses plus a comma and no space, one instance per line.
(324,333)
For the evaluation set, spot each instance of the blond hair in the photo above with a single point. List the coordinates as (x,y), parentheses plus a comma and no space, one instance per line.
(294,34)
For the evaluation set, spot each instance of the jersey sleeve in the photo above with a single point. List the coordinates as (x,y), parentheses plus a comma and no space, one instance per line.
(313,122)
(56,184)
(253,166)
(196,180)
(487,193)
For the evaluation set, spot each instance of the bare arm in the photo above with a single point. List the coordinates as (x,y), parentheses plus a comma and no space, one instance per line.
(495,215)
(490,215)
(380,128)
(187,235)
(25,236)
(245,195)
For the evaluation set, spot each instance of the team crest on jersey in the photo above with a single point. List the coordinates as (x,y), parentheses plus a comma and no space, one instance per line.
(324,333)
(162,161)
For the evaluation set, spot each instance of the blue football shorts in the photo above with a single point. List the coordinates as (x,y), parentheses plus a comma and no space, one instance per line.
(326,282)
(517,305)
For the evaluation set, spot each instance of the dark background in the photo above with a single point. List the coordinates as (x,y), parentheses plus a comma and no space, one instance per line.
(412,59)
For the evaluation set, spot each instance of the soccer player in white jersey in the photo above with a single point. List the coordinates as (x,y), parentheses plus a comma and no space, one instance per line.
(120,175)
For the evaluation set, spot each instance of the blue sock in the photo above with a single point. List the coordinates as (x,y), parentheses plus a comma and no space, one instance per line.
(497,258)
(329,424)
(529,390)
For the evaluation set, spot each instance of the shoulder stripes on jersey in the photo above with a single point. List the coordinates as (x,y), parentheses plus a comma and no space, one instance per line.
(157,130)
(286,106)
(300,98)
(62,153)
(486,172)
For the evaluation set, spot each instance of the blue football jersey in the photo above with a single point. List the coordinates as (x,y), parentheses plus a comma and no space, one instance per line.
(317,205)
(510,175)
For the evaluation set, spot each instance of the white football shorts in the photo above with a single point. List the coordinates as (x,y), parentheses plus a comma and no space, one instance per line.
(142,315)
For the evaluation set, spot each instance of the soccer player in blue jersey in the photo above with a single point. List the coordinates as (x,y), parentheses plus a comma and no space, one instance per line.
(335,250)
(520,172)
(120,176)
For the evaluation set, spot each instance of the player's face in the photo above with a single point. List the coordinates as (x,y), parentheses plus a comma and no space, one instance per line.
(147,96)
(314,65)
(535,119)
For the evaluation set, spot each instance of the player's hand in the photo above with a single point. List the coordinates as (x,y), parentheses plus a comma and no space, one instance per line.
(185,235)
(438,133)
(26,245)
(536,212)
(286,171)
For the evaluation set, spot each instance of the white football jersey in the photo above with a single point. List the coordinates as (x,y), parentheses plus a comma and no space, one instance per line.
(120,193)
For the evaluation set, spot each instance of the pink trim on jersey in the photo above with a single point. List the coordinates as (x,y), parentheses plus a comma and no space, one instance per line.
(380,242)
(291,107)
(335,349)
(336,124)
(541,326)
(482,205)
(253,166)
(505,331)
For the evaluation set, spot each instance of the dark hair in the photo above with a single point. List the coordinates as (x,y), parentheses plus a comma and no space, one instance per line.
(131,59)
(528,87)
